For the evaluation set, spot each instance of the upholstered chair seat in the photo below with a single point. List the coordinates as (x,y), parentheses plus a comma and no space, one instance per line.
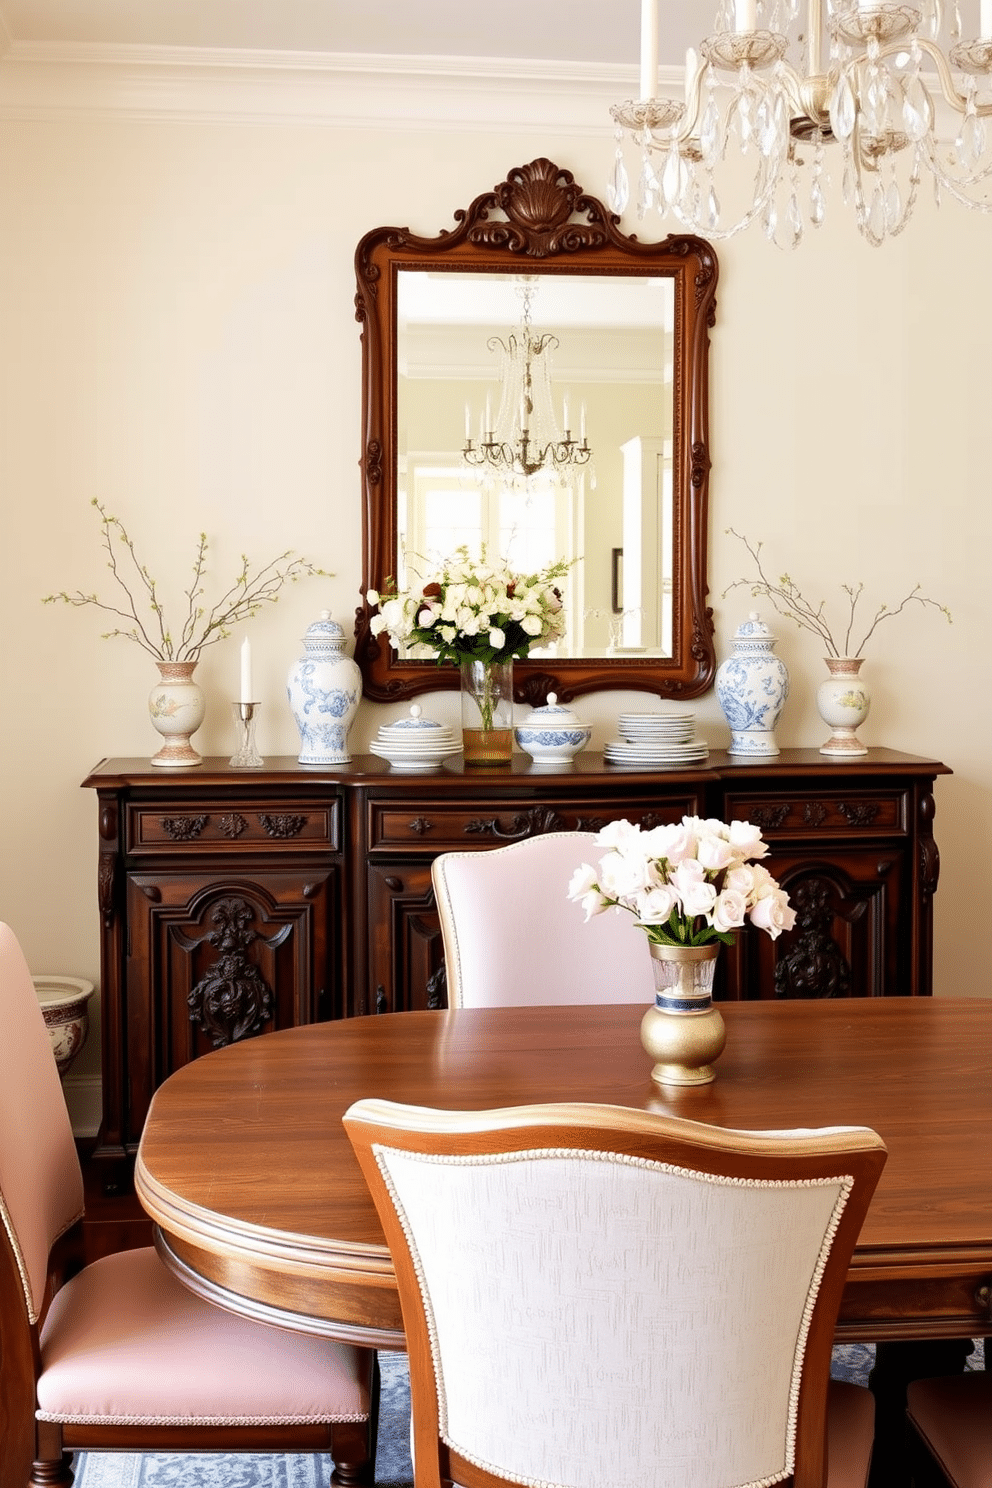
(121,1355)
(163,1356)
(513,938)
(952,1420)
(595,1294)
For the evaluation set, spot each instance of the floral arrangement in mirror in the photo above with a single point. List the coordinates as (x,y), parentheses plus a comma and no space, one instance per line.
(842,700)
(479,614)
(690,886)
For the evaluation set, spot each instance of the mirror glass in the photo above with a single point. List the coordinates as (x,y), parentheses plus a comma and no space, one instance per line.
(536,383)
(602,495)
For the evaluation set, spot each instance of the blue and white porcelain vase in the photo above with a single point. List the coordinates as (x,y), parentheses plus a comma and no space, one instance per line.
(325,689)
(752,686)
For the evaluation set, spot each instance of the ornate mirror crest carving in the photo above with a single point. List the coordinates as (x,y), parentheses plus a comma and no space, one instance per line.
(538,227)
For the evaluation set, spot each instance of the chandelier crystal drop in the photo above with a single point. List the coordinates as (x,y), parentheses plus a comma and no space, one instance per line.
(885,92)
(526,438)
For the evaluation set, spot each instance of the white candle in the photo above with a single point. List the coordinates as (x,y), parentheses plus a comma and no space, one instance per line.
(564,413)
(582,423)
(649,48)
(745,15)
(489,417)
(523,414)
(468,425)
(985,27)
(690,71)
(246,696)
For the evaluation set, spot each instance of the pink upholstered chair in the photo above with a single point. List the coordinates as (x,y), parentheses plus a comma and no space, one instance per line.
(599,1295)
(513,938)
(123,1356)
(951,1421)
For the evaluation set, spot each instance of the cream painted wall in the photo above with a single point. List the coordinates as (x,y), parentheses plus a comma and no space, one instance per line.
(178,339)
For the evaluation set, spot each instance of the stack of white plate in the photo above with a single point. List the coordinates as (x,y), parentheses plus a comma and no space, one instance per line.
(656,738)
(415,743)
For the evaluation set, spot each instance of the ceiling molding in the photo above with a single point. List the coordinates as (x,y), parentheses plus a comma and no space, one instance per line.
(494,95)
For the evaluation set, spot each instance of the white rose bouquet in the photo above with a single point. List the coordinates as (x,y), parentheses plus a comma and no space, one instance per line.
(685,884)
(474,610)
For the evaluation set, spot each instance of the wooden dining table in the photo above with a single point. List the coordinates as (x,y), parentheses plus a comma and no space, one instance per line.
(245,1167)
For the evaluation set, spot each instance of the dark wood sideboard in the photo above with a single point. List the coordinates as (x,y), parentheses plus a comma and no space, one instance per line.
(234,902)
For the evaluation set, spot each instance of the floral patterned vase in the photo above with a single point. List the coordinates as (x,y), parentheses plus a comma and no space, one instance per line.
(325,689)
(752,686)
(842,701)
(176,707)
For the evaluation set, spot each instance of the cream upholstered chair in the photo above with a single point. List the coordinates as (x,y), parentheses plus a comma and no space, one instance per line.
(951,1430)
(123,1356)
(593,1294)
(513,938)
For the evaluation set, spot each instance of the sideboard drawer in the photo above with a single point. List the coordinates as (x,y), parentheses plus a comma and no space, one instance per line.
(805,813)
(436,827)
(218,826)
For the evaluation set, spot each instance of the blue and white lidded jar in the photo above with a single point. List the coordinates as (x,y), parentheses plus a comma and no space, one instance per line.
(324,689)
(752,686)
(552,735)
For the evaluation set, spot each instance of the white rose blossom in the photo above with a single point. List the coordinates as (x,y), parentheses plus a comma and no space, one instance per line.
(685,883)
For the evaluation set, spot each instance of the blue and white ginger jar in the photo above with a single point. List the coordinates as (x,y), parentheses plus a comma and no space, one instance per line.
(324,689)
(752,686)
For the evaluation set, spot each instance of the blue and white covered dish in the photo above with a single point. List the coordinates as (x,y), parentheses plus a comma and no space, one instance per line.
(552,735)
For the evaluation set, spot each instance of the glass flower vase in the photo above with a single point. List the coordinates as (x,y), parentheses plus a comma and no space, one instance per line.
(487,711)
(683,1033)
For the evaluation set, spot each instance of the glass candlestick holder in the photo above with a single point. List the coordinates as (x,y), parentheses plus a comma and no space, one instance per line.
(245,756)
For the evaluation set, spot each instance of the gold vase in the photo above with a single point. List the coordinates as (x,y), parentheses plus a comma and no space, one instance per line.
(683,1033)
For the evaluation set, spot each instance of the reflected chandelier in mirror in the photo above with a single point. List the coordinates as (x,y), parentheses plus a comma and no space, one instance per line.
(536,383)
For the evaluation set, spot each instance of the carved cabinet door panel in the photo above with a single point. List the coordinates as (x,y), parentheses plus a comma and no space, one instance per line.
(406,955)
(846,941)
(214,958)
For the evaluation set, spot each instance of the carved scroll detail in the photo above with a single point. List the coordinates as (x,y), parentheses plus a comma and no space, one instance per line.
(233,999)
(437,988)
(859,813)
(595,824)
(105,874)
(814,965)
(420,825)
(233,824)
(929,866)
(769,818)
(814,813)
(538,200)
(283,825)
(183,828)
(525,824)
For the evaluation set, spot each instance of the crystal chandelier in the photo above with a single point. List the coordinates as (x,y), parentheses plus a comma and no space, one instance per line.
(761,100)
(526,438)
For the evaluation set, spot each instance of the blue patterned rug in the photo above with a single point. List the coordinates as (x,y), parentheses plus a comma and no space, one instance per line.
(393,1467)
(237,1470)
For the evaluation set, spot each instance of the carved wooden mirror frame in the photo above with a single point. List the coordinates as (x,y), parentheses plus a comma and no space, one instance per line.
(538,221)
